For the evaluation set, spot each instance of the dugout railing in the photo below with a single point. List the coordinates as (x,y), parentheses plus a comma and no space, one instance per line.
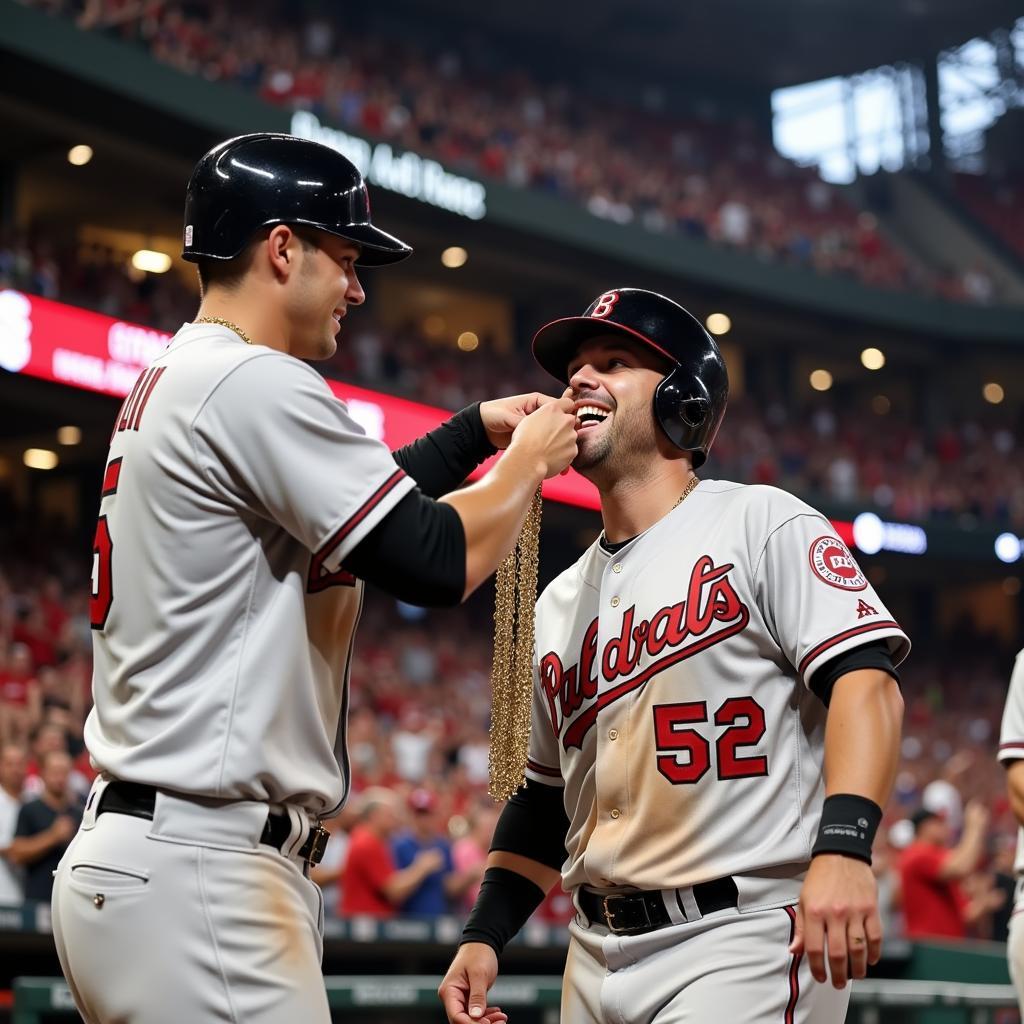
(377,998)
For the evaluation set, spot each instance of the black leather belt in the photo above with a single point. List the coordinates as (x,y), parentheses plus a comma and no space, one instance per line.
(140,801)
(633,913)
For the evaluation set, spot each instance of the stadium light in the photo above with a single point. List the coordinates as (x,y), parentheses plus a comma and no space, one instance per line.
(1008,548)
(69,436)
(454,257)
(719,323)
(821,380)
(80,155)
(39,458)
(872,358)
(993,392)
(468,341)
(151,261)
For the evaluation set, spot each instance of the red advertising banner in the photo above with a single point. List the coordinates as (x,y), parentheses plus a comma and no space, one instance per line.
(86,350)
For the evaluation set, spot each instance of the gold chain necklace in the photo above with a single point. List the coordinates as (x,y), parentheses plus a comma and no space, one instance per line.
(689,487)
(224,323)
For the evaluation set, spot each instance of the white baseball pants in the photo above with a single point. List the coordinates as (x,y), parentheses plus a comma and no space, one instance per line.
(731,966)
(188,918)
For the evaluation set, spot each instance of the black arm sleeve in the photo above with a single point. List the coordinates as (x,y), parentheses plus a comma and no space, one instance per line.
(416,553)
(534,824)
(440,460)
(873,655)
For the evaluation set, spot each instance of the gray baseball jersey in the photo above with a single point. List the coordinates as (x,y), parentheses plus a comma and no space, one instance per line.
(1011,737)
(671,688)
(223,623)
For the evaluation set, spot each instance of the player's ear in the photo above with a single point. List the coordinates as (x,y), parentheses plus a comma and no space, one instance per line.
(282,247)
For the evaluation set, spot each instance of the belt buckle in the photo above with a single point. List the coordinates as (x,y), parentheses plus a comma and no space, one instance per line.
(317,843)
(627,927)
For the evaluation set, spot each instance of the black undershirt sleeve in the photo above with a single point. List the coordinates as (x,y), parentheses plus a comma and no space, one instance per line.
(416,553)
(873,655)
(534,824)
(442,459)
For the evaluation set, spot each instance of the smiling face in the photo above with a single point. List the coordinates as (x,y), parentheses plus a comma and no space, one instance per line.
(319,294)
(613,381)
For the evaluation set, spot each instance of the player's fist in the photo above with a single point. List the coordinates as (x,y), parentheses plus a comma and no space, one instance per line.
(502,415)
(463,990)
(549,435)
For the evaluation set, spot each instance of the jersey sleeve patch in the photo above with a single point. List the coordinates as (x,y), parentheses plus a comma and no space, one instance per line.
(833,564)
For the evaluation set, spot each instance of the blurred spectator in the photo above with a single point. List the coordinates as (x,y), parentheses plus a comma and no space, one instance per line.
(371,884)
(469,853)
(443,887)
(12,779)
(46,827)
(624,163)
(936,902)
(327,874)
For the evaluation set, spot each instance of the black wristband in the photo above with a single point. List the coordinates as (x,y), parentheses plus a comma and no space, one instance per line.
(848,826)
(504,905)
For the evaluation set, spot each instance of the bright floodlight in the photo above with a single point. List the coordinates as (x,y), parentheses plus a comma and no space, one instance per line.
(151,261)
(79,156)
(872,358)
(39,458)
(719,323)
(1008,547)
(821,380)
(454,256)
(868,533)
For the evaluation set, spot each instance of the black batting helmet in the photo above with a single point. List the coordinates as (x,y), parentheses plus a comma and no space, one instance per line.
(254,181)
(689,402)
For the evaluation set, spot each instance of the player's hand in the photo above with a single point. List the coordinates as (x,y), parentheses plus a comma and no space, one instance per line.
(463,990)
(502,415)
(549,434)
(837,918)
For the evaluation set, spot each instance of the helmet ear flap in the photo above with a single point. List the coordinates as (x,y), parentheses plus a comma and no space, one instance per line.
(682,409)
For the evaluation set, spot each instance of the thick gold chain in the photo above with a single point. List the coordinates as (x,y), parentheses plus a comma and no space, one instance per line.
(686,493)
(515,601)
(224,323)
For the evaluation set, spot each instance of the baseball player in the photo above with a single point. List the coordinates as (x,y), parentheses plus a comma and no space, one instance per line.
(242,507)
(715,723)
(1011,755)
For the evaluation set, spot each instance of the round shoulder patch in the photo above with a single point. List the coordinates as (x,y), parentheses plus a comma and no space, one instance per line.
(833,564)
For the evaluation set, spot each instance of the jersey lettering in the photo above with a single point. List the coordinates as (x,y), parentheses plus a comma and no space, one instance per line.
(102,595)
(710,613)
(669,736)
(605,305)
(130,416)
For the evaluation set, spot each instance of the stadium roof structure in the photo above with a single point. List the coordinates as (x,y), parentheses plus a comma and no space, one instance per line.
(764,44)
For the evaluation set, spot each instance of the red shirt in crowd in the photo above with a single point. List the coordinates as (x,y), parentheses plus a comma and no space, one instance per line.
(368,866)
(933,907)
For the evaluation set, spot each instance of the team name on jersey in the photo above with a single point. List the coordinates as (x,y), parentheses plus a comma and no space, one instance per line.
(710,613)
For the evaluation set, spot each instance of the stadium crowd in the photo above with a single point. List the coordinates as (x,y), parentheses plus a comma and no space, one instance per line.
(966,468)
(701,177)
(415,833)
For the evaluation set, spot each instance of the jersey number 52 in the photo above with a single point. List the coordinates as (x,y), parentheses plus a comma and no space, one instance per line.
(745,720)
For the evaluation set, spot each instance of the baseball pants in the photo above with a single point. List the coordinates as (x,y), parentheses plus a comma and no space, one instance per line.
(729,966)
(188,918)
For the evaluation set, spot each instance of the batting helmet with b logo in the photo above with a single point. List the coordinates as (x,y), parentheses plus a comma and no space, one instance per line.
(689,402)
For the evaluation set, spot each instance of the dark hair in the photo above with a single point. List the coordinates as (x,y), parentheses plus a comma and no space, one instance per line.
(230,273)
